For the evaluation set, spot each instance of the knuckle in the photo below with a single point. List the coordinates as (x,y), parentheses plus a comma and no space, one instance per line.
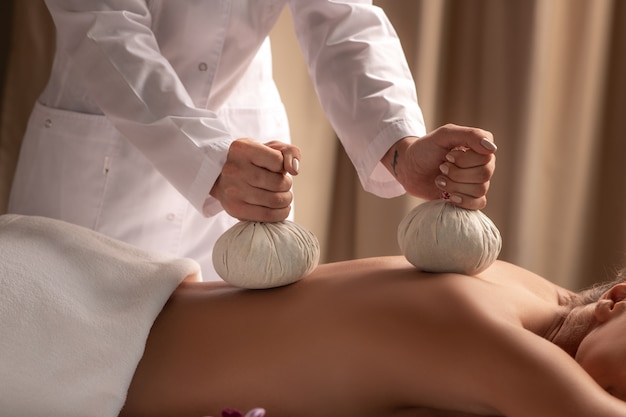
(484,176)
(279,183)
(481,203)
(286,182)
(295,150)
(238,145)
(483,188)
(281,200)
(477,203)
(230,170)
(478,190)
(230,191)
(448,128)
(491,165)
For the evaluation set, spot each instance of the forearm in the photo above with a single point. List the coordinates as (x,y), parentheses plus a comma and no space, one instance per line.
(363,82)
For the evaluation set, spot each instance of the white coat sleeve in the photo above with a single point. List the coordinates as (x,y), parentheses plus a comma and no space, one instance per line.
(363,81)
(139,92)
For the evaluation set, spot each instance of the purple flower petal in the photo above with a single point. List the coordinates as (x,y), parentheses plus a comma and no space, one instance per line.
(231,413)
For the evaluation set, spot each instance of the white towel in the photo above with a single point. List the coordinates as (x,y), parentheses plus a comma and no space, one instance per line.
(75,311)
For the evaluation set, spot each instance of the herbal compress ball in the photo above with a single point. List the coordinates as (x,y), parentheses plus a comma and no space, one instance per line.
(438,236)
(264,255)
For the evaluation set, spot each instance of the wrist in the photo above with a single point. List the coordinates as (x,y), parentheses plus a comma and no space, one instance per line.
(393,158)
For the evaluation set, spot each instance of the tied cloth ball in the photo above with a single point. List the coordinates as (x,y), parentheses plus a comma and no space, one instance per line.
(259,255)
(438,236)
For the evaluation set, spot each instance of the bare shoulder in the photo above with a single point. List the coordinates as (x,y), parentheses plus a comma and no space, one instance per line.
(521,278)
(391,268)
(500,271)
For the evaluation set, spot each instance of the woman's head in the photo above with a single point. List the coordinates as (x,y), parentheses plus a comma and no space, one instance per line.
(602,351)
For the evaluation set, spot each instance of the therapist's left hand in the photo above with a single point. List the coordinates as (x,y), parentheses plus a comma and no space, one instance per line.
(456,160)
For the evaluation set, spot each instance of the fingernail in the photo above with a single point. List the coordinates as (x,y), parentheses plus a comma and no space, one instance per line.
(441,182)
(444,169)
(450,158)
(487,144)
(296,165)
(456,199)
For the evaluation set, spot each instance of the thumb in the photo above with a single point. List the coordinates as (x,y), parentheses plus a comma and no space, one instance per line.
(484,146)
(291,163)
(291,156)
(458,137)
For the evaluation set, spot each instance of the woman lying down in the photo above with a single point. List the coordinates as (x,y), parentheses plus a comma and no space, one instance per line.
(94,327)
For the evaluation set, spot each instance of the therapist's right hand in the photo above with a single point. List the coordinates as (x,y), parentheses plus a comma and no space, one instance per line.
(255,183)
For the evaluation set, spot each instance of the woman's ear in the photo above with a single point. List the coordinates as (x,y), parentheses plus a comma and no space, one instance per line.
(607,306)
(616,293)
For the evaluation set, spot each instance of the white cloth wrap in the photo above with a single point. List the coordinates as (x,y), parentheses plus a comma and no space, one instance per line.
(76,309)
(437,236)
(258,255)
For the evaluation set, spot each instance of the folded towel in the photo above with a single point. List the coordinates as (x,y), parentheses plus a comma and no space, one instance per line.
(76,308)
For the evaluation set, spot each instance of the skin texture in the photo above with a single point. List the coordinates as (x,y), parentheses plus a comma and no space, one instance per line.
(371,337)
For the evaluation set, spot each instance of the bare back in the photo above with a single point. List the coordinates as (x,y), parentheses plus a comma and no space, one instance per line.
(355,338)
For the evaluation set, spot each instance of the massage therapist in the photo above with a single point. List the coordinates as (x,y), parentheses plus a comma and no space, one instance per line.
(161,124)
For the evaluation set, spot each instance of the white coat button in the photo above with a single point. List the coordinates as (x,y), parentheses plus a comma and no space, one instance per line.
(47,123)
(171,216)
(203,66)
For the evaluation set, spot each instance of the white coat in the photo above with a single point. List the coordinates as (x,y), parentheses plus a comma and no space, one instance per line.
(145,97)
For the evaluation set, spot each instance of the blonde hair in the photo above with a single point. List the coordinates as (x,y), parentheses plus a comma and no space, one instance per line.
(592,294)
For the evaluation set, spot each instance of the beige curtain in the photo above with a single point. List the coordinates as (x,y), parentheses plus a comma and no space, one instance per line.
(29,40)
(545,76)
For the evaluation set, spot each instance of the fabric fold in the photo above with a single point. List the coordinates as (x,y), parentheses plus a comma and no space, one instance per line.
(76,308)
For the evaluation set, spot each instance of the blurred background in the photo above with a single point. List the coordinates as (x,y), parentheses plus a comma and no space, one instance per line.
(546,77)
